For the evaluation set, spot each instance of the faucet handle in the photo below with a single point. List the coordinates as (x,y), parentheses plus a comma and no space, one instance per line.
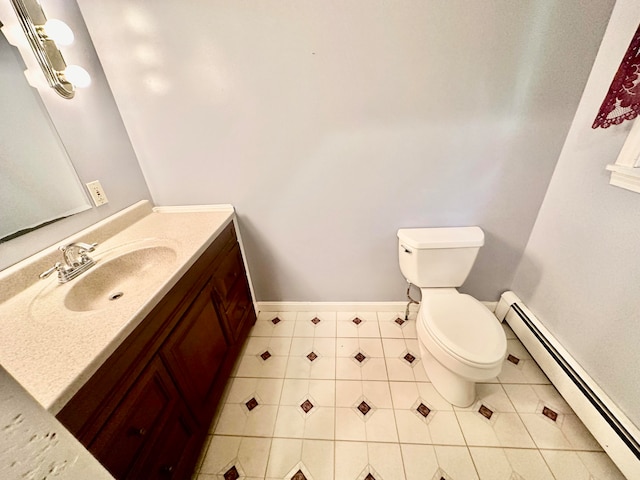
(57,267)
(86,247)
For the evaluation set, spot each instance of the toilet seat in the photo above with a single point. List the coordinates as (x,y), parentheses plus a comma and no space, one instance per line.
(464,328)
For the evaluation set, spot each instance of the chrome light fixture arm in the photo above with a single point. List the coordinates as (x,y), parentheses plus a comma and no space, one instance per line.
(32,20)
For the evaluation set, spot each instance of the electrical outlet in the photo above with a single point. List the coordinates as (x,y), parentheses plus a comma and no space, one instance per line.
(97,193)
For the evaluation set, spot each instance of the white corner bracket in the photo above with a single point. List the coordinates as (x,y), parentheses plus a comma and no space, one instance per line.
(625,173)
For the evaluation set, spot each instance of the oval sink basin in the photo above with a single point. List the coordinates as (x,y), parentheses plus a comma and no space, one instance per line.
(125,277)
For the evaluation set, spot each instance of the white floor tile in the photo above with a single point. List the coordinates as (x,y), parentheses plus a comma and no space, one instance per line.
(350,392)
(510,463)
(277,346)
(317,366)
(393,325)
(567,465)
(256,366)
(354,460)
(248,455)
(525,371)
(429,462)
(348,368)
(349,425)
(381,426)
(312,457)
(386,460)
(532,398)
(302,346)
(315,324)
(503,430)
(295,391)
(403,371)
(266,390)
(236,420)
(270,324)
(566,433)
(367,326)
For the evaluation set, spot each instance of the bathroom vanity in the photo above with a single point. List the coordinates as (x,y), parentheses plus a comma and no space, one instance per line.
(143,390)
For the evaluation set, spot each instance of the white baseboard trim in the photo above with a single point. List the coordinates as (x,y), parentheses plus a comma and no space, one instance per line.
(342,306)
(601,416)
(331,306)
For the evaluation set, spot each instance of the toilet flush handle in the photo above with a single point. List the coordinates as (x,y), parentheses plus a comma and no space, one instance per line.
(406,249)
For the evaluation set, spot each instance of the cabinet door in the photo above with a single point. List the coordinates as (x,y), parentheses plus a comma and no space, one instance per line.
(229,271)
(232,294)
(239,309)
(174,453)
(194,353)
(135,423)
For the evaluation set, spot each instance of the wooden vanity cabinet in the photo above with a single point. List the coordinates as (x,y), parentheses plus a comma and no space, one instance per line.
(146,411)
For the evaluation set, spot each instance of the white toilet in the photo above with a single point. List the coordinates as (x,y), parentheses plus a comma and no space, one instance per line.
(461,341)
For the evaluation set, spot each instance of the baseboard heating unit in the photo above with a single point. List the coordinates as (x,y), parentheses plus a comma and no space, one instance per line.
(618,436)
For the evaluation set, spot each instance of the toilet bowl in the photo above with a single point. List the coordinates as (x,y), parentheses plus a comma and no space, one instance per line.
(461,341)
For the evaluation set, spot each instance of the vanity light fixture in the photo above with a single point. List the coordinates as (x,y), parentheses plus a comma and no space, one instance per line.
(44,36)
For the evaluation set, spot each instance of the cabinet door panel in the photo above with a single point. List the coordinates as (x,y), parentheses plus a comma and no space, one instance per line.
(227,274)
(137,419)
(195,351)
(239,304)
(173,454)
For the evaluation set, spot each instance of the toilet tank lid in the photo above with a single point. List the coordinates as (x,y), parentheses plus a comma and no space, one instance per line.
(442,237)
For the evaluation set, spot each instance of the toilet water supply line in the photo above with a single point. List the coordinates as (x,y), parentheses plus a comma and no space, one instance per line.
(411,300)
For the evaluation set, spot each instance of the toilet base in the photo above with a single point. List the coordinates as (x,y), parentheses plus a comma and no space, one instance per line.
(453,388)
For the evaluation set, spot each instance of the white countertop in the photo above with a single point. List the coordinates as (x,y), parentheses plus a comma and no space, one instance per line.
(51,350)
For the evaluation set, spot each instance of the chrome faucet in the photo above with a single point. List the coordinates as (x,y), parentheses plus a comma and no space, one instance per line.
(76,259)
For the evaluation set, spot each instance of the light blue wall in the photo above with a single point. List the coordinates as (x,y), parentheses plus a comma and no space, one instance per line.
(581,268)
(329,125)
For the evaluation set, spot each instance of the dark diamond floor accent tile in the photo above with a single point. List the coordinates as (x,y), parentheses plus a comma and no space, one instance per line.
(312,356)
(513,359)
(369,477)
(315,320)
(276,321)
(251,404)
(360,357)
(399,321)
(409,358)
(306,406)
(547,412)
(265,355)
(423,410)
(364,407)
(232,474)
(298,476)
(485,412)
(357,321)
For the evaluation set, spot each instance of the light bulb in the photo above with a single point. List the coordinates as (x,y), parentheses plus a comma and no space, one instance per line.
(59,32)
(77,76)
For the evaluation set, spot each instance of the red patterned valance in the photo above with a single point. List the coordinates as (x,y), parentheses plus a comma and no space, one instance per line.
(623,99)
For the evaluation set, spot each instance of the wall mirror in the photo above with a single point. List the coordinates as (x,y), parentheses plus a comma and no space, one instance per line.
(38,183)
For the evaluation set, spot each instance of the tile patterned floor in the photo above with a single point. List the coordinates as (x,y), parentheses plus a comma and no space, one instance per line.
(344,396)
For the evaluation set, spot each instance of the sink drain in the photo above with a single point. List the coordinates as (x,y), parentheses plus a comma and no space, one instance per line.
(116,295)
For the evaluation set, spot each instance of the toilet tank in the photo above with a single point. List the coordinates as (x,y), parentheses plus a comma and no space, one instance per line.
(438,257)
